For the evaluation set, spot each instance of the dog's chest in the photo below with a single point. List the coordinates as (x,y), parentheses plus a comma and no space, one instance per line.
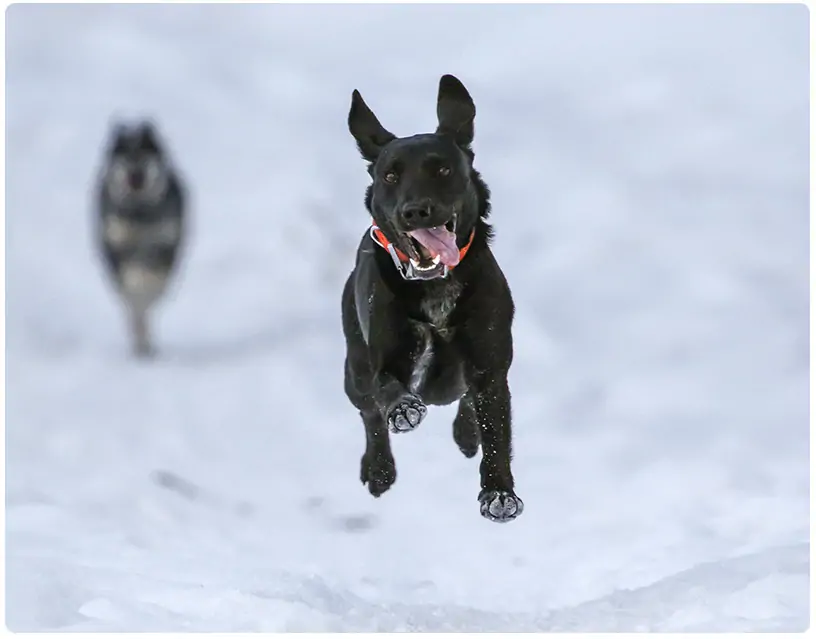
(120,231)
(435,312)
(436,306)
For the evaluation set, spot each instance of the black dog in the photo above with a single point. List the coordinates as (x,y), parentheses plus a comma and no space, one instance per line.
(427,311)
(140,222)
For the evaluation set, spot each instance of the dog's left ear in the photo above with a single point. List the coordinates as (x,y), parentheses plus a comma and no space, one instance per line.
(455,111)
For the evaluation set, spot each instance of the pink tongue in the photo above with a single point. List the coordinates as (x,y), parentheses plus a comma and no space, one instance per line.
(439,241)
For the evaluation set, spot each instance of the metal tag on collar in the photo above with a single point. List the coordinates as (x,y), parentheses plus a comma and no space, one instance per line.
(397,261)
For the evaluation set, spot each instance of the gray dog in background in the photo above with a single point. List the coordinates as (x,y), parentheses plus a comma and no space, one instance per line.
(141,223)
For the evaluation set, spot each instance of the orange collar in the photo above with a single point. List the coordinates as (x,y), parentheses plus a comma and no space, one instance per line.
(379,237)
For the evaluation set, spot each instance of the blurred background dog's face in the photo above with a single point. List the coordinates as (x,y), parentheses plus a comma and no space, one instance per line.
(136,170)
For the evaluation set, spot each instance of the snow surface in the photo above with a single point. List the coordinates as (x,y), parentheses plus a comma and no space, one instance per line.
(649,169)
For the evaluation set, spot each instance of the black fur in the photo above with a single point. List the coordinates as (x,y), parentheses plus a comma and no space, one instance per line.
(463,320)
(141,205)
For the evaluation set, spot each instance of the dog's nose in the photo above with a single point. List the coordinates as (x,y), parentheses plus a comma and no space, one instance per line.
(416,214)
(136,178)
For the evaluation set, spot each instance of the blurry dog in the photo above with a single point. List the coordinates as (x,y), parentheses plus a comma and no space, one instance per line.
(427,312)
(141,205)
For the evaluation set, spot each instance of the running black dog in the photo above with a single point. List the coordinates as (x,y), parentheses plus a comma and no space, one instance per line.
(427,311)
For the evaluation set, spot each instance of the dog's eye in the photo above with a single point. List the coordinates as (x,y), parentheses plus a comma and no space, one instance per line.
(390,177)
(443,171)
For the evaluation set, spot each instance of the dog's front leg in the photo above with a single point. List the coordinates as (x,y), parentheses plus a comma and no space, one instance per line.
(393,346)
(140,333)
(487,346)
(402,410)
(498,500)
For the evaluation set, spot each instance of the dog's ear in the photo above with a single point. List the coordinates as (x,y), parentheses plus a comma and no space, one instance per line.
(371,136)
(149,137)
(118,134)
(455,111)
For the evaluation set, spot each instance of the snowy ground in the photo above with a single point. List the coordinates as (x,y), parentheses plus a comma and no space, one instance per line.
(649,167)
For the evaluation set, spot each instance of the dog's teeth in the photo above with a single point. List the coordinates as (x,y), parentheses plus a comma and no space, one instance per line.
(419,267)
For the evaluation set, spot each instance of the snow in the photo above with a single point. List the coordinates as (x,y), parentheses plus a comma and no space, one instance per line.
(649,169)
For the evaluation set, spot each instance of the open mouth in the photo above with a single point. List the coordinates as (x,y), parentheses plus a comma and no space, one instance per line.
(428,248)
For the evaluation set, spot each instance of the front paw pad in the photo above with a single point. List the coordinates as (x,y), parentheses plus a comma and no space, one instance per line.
(500,506)
(406,415)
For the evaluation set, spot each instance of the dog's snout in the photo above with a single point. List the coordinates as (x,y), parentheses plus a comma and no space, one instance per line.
(136,178)
(416,213)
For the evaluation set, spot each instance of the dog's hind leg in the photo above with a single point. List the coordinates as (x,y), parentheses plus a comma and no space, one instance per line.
(377,467)
(466,427)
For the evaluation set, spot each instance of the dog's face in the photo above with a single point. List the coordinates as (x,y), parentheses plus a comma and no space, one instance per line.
(136,169)
(422,193)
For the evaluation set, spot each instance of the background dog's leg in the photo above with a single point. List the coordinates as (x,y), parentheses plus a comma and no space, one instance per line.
(142,287)
(377,467)
(140,333)
(466,427)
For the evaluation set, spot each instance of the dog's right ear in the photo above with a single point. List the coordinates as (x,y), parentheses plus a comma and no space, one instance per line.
(149,136)
(371,136)
(117,137)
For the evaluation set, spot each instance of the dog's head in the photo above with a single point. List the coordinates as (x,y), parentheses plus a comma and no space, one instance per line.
(425,194)
(137,169)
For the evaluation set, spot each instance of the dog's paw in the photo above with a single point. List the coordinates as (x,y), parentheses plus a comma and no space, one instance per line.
(406,415)
(143,350)
(466,436)
(378,472)
(500,506)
